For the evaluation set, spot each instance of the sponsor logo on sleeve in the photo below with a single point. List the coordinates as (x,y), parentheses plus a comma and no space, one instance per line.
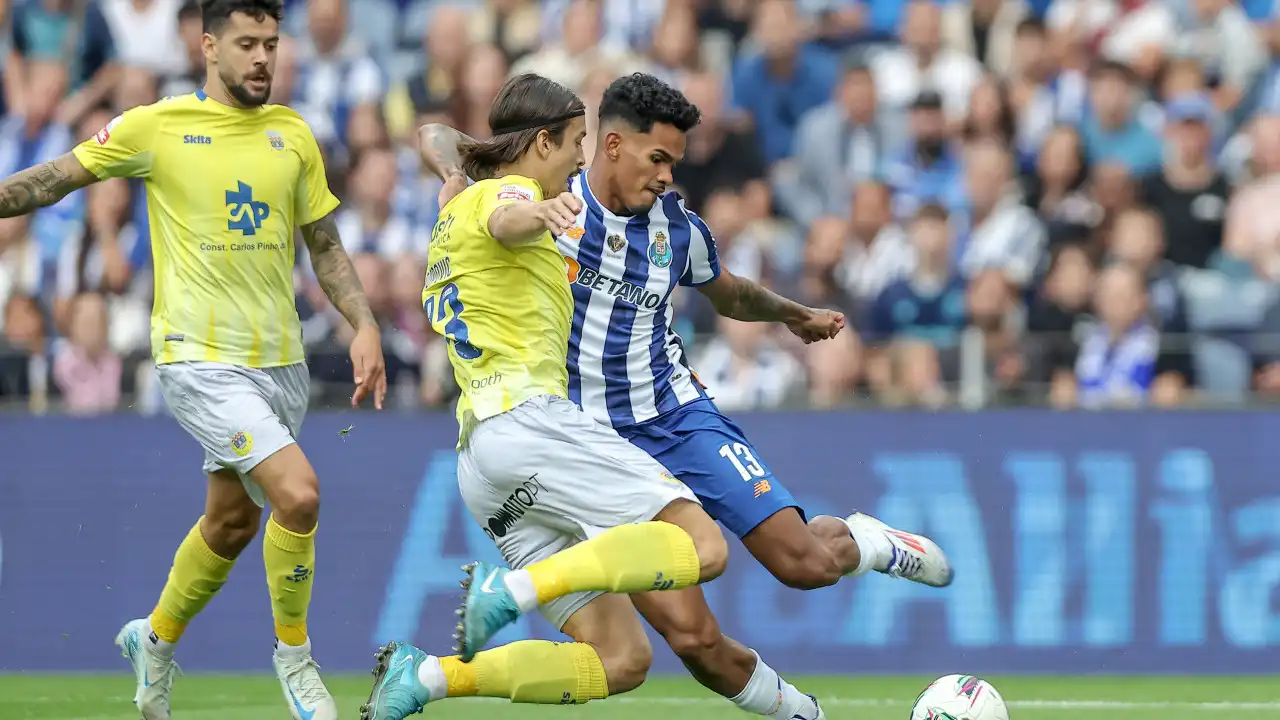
(515,192)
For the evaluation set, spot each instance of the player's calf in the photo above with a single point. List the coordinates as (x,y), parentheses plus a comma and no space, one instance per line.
(803,556)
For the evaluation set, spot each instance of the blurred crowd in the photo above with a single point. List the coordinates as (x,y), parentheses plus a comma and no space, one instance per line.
(1071,201)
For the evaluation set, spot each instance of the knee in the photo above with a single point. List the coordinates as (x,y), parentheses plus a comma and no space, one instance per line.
(625,668)
(228,531)
(297,503)
(713,552)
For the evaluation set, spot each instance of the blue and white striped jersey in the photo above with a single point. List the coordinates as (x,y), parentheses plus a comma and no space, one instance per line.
(626,363)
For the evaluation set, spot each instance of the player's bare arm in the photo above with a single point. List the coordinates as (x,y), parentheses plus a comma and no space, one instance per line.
(438,146)
(42,185)
(741,299)
(524,222)
(337,278)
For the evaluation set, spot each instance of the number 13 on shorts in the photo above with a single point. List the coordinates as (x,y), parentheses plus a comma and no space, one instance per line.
(743,460)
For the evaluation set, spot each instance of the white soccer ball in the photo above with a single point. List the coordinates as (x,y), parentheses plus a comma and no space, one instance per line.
(960,697)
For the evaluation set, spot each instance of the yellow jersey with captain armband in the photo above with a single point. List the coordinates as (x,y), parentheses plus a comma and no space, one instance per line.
(505,312)
(226,189)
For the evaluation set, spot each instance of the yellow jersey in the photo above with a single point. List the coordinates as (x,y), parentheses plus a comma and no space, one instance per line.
(505,312)
(226,188)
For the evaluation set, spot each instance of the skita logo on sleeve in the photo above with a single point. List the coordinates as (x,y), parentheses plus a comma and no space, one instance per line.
(515,192)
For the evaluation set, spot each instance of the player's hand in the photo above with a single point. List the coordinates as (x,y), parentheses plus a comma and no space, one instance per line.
(817,324)
(369,365)
(456,183)
(560,212)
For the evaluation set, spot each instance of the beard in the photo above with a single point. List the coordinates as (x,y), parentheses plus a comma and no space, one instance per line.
(246,97)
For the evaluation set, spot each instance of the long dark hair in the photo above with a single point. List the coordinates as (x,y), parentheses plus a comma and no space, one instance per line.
(525,106)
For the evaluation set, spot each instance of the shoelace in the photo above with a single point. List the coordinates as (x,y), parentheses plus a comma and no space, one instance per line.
(304,677)
(903,563)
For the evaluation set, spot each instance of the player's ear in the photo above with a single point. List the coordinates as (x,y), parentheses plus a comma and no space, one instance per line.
(209,44)
(613,144)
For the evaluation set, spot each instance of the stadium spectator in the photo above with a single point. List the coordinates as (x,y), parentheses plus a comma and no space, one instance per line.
(337,74)
(514,26)
(1252,229)
(921,63)
(784,80)
(928,167)
(998,232)
(146,34)
(186,76)
(674,51)
(1188,192)
(1113,131)
(582,44)
(986,30)
(916,322)
(368,222)
(1222,38)
(1138,240)
(72,34)
(743,368)
(833,366)
(838,145)
(1117,359)
(24,370)
(719,156)
(1056,191)
(1055,317)
(85,369)
(876,251)
(434,85)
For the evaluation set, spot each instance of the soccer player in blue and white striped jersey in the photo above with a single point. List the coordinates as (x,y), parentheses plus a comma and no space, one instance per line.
(632,244)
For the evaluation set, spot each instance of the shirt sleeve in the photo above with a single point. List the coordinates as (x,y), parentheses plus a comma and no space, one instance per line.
(504,191)
(704,260)
(313,200)
(123,147)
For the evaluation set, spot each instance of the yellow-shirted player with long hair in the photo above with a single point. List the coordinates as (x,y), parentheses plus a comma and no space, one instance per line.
(574,509)
(229,180)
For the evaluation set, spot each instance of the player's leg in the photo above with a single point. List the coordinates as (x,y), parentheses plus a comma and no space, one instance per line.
(610,655)
(713,456)
(720,663)
(277,466)
(602,488)
(200,567)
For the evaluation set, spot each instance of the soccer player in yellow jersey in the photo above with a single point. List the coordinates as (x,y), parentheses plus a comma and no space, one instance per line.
(589,512)
(229,179)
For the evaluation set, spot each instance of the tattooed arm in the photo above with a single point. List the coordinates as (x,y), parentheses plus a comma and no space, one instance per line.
(741,299)
(438,146)
(337,277)
(42,185)
(335,273)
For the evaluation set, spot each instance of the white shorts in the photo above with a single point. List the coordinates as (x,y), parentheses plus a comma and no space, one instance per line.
(239,415)
(546,476)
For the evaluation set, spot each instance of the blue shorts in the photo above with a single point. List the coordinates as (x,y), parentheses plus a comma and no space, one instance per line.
(711,455)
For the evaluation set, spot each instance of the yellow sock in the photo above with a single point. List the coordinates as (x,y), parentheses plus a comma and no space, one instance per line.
(197,574)
(625,559)
(290,560)
(530,671)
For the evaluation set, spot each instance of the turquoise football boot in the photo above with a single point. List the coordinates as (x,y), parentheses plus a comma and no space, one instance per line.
(396,694)
(487,608)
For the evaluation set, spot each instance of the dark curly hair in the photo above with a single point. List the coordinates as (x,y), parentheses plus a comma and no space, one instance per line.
(641,100)
(216,13)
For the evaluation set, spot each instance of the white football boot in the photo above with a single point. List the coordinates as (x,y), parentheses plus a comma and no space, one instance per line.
(910,556)
(153,667)
(304,691)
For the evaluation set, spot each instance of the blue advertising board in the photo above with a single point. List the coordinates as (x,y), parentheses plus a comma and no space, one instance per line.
(1137,542)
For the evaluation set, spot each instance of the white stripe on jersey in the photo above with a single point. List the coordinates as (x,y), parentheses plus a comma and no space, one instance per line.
(626,364)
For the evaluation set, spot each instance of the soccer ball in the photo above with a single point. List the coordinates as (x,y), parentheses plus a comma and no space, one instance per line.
(959,697)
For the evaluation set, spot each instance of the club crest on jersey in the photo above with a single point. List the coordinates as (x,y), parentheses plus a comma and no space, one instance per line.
(242,443)
(616,242)
(660,250)
(276,140)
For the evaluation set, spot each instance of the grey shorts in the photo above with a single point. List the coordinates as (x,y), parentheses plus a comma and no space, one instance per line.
(546,476)
(239,415)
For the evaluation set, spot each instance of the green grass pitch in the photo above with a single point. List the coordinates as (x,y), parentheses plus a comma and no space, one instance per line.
(257,697)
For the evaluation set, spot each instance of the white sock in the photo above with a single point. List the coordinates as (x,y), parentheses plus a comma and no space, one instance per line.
(163,648)
(769,695)
(431,675)
(874,548)
(520,583)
